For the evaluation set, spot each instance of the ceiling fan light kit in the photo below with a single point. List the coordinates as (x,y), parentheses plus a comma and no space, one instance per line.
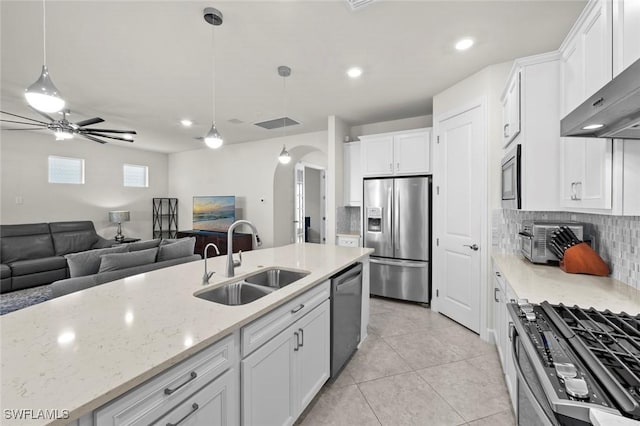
(213,139)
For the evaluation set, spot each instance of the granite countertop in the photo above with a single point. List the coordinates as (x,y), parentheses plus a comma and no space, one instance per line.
(80,351)
(544,282)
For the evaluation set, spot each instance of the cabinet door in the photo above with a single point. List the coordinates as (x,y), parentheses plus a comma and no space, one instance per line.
(352,174)
(573,162)
(377,156)
(597,36)
(313,354)
(505,121)
(594,190)
(572,77)
(513,105)
(499,319)
(268,383)
(412,153)
(214,405)
(626,33)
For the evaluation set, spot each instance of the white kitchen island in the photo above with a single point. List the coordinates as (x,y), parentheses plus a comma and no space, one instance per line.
(81,351)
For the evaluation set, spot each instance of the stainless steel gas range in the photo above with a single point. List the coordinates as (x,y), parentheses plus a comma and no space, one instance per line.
(571,360)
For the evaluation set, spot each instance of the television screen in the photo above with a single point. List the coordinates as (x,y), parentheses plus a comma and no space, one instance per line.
(214,213)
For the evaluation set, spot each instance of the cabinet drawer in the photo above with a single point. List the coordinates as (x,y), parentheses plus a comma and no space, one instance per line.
(160,394)
(345,241)
(263,329)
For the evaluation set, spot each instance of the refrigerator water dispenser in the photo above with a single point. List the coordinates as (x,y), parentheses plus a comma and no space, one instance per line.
(374,219)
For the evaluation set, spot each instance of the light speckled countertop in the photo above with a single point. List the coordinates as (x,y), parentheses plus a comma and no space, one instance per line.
(544,282)
(82,350)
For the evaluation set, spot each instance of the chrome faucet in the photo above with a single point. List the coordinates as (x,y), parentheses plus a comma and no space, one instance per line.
(231,263)
(207,275)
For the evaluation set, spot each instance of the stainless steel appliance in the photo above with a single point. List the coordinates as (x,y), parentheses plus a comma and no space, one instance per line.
(535,237)
(346,302)
(612,112)
(397,225)
(511,178)
(570,360)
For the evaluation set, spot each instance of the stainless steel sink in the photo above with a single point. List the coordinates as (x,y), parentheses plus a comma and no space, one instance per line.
(233,294)
(276,278)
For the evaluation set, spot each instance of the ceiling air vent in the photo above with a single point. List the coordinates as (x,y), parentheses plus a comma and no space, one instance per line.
(277,123)
(235,121)
(356,4)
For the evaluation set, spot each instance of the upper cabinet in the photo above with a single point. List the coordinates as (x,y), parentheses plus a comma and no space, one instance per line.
(511,109)
(352,174)
(626,34)
(397,153)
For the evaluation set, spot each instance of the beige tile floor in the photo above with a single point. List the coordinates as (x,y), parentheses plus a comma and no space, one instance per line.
(416,367)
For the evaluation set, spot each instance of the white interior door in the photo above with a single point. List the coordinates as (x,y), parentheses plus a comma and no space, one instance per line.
(459,201)
(323,206)
(298,205)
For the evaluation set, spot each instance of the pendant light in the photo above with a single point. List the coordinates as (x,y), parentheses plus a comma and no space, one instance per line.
(284,72)
(213,139)
(43,95)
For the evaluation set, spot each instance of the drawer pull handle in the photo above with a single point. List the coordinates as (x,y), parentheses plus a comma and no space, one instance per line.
(297,309)
(194,407)
(192,376)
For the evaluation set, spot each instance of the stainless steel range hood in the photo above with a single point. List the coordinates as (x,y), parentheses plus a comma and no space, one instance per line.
(613,112)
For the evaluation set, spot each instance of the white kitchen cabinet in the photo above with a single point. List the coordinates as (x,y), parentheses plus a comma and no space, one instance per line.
(396,153)
(501,329)
(352,174)
(281,377)
(216,404)
(626,34)
(511,110)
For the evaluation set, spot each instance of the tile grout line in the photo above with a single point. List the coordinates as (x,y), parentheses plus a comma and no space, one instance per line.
(369,404)
(465,421)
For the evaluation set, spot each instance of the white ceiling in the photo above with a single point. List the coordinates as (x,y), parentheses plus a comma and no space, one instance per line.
(147,64)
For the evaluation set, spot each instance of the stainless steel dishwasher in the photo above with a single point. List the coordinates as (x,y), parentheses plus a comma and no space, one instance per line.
(346,307)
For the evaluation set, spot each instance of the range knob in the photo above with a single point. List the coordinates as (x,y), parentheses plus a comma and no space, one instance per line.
(531,316)
(566,370)
(577,388)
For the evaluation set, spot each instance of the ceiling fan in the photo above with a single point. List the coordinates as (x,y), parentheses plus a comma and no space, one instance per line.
(64,129)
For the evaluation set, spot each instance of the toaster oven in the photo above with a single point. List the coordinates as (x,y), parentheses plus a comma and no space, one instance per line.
(535,235)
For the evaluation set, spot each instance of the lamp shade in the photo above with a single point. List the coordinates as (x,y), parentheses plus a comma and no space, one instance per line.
(119,216)
(43,95)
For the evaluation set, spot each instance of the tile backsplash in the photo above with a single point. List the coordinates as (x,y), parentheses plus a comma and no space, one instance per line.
(617,238)
(348,220)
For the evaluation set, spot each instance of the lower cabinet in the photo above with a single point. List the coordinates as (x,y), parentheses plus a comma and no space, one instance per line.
(501,328)
(281,377)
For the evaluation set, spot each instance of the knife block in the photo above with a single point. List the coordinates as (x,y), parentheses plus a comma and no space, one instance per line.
(582,259)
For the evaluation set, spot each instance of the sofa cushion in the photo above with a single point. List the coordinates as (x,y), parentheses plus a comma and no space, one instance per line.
(181,248)
(29,241)
(39,278)
(5,271)
(31,266)
(72,237)
(143,245)
(88,262)
(117,261)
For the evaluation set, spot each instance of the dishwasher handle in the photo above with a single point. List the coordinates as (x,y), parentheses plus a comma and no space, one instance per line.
(347,276)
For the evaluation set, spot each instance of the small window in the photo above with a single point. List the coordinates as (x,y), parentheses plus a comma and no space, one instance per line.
(136,176)
(66,170)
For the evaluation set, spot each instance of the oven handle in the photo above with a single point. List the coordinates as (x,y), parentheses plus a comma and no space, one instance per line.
(546,421)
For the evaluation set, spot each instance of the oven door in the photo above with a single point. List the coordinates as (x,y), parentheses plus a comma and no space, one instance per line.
(533,407)
(511,197)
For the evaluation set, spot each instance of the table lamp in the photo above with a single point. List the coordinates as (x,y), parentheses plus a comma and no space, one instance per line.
(119,216)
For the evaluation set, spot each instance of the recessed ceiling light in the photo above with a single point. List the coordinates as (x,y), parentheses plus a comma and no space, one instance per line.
(464,43)
(186,122)
(593,126)
(354,72)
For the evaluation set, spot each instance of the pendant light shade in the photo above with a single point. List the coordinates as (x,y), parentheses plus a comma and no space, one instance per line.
(43,95)
(213,139)
(284,156)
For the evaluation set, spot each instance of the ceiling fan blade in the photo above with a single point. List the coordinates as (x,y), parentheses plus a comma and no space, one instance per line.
(26,128)
(45,115)
(44,125)
(105,136)
(25,118)
(133,132)
(90,121)
(91,138)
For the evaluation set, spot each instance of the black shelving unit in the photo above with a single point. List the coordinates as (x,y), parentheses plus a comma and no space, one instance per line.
(165,218)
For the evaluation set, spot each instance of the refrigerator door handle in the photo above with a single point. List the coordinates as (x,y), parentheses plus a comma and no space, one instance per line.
(396,219)
(403,263)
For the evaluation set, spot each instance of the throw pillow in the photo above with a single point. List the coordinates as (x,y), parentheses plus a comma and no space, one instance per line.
(117,261)
(181,248)
(143,245)
(88,262)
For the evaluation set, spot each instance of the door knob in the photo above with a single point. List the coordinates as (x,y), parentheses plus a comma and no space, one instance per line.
(473,247)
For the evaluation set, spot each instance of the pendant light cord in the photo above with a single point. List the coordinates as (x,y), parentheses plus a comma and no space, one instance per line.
(284,106)
(213,74)
(44,32)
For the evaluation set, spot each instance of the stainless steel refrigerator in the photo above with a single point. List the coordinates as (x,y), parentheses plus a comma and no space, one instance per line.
(397,225)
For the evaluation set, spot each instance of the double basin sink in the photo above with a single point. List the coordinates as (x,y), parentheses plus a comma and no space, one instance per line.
(252,287)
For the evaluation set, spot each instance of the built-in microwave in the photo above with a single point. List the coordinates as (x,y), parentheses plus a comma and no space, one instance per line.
(511,178)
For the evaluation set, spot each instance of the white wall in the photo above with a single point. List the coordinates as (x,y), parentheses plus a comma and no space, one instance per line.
(312,202)
(337,132)
(391,126)
(24,172)
(246,170)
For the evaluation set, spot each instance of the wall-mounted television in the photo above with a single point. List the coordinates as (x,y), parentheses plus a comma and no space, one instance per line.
(214,213)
